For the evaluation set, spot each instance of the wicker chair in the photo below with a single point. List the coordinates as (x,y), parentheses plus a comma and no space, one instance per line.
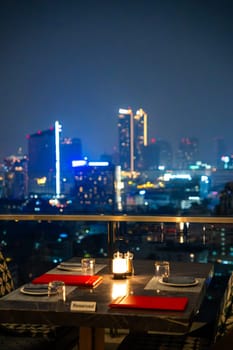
(218,340)
(31,336)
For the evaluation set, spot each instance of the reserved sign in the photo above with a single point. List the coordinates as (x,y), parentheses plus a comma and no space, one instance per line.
(83,306)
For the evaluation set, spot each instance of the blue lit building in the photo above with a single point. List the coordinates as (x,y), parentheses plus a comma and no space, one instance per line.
(70,149)
(44,161)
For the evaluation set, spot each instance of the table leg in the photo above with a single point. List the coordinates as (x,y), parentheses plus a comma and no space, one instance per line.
(99,338)
(85,338)
(91,338)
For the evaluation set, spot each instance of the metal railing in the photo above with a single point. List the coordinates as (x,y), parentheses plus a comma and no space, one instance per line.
(208,239)
(118,218)
(113,221)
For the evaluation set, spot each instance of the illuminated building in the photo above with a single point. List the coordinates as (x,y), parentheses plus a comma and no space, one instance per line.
(15,177)
(71,149)
(44,161)
(126,139)
(132,133)
(94,189)
(140,138)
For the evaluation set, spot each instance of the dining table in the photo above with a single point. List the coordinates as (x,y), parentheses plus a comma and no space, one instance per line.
(92,308)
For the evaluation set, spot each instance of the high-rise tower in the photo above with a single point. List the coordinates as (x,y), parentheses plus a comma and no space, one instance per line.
(132,131)
(44,161)
(140,138)
(126,138)
(71,149)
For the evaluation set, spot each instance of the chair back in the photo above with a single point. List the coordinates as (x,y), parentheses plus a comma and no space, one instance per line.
(6,280)
(225,321)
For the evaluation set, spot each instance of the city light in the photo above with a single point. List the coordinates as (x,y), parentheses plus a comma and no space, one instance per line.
(57,158)
(76,163)
(79,163)
(125,111)
(98,163)
(168,177)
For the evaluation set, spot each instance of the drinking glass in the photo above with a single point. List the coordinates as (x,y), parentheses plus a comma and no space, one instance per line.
(162,269)
(88,265)
(59,288)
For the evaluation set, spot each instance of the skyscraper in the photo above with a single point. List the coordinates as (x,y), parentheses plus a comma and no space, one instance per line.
(126,139)
(44,161)
(140,138)
(71,149)
(132,133)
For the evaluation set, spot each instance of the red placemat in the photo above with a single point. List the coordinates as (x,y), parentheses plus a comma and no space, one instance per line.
(72,280)
(150,302)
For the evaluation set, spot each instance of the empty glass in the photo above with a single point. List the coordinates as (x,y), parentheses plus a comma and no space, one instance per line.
(88,265)
(162,269)
(58,288)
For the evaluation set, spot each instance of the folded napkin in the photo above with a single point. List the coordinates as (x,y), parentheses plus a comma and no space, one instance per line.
(72,280)
(150,302)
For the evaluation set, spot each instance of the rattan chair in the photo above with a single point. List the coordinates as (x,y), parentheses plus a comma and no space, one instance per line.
(17,336)
(219,339)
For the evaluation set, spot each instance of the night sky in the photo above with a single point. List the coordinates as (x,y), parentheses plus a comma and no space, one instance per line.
(79,61)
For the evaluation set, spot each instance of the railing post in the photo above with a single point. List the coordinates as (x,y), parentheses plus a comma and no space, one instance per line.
(111,237)
(161,232)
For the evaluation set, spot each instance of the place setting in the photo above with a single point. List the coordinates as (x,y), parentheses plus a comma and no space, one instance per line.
(51,289)
(86,265)
(36,290)
(178,281)
(164,279)
(70,266)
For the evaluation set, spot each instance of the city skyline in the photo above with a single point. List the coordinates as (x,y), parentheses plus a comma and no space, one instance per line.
(80,62)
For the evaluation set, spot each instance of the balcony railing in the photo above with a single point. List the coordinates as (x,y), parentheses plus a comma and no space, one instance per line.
(48,239)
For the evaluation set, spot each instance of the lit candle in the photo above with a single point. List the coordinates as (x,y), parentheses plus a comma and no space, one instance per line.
(119,266)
